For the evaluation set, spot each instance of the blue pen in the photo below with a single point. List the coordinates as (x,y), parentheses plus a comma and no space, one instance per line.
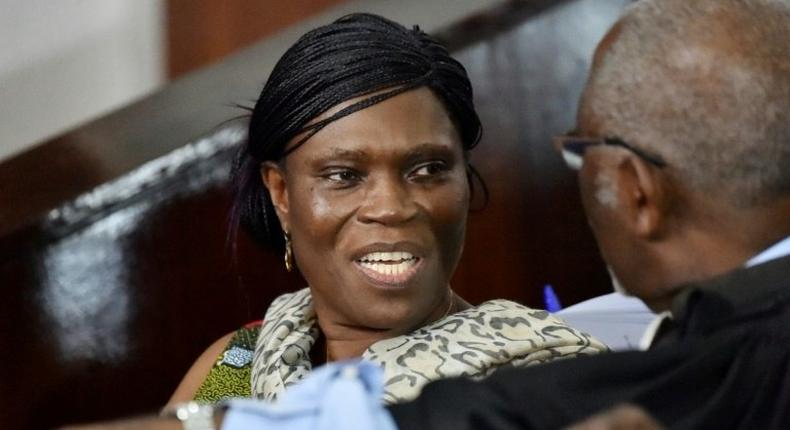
(550,299)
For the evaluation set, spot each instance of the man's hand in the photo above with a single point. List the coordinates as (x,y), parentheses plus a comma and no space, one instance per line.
(621,417)
(141,423)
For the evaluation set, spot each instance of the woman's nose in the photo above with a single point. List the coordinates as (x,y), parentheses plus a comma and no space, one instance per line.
(389,202)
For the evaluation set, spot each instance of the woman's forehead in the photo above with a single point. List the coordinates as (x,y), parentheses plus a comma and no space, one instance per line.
(423,93)
(365,153)
(412,121)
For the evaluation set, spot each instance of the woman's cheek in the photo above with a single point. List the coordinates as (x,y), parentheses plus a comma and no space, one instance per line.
(451,204)
(449,211)
(320,206)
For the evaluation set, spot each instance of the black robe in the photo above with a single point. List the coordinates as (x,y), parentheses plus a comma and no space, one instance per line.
(725,364)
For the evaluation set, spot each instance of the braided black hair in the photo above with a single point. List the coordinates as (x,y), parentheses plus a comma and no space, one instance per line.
(357,55)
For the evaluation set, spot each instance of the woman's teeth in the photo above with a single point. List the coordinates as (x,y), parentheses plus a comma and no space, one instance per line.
(388,263)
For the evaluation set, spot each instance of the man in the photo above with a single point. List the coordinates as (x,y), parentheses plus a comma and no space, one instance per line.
(683,150)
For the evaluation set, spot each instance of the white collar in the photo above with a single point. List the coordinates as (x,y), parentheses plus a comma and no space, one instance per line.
(779,249)
(652,330)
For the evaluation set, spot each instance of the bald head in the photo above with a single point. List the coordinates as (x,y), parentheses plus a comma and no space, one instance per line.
(705,84)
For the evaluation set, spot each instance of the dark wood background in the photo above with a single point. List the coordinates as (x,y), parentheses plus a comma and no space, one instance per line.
(200,32)
(108,297)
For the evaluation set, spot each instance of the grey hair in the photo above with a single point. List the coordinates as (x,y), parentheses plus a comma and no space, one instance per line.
(706,85)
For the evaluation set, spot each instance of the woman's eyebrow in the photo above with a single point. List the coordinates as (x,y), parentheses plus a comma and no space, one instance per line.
(339,154)
(429,148)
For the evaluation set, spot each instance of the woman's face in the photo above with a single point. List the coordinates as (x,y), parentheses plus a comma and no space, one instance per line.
(376,205)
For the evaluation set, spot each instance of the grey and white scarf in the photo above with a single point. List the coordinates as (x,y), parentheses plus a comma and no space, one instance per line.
(471,343)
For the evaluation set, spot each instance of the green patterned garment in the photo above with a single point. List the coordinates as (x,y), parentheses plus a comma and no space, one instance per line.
(230,376)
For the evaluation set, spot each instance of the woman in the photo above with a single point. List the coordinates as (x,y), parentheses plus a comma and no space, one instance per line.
(357,168)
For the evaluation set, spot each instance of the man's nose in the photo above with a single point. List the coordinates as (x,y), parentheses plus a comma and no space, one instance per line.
(389,201)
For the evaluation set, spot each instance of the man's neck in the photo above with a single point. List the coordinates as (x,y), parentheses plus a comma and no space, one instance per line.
(720,239)
(742,231)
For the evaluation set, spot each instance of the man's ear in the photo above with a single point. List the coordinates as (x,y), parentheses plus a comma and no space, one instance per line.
(645,196)
(273,178)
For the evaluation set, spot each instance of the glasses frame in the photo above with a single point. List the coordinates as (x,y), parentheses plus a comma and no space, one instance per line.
(572,147)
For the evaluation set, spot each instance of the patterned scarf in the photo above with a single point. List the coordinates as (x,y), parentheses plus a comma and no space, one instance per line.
(472,343)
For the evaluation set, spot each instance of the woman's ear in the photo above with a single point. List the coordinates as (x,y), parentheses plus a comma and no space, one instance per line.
(273,178)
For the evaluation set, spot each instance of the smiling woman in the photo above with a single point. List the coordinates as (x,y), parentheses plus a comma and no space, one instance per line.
(375,205)
(357,169)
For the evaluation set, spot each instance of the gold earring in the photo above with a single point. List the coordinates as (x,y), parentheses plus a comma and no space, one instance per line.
(289,252)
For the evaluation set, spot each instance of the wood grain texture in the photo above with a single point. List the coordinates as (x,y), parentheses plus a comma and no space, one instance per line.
(200,32)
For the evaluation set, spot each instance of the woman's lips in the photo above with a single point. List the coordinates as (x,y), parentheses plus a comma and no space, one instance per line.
(392,269)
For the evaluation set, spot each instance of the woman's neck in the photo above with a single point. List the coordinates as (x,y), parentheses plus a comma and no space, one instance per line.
(343,349)
(342,342)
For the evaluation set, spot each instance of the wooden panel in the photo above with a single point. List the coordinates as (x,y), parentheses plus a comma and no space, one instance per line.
(200,32)
(109,318)
(527,81)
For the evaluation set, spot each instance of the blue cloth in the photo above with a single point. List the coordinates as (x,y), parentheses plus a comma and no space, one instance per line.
(339,395)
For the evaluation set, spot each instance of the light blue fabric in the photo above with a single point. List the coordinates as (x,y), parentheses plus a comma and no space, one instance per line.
(343,395)
(615,319)
(778,250)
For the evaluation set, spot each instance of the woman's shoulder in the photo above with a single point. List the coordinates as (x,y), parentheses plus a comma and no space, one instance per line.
(498,309)
(230,374)
(475,342)
(502,308)
(223,370)
(505,319)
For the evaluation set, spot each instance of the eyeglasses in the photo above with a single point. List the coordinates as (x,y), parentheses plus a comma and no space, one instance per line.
(572,148)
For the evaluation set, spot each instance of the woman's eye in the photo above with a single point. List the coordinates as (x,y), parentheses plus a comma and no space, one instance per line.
(429,169)
(344,176)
